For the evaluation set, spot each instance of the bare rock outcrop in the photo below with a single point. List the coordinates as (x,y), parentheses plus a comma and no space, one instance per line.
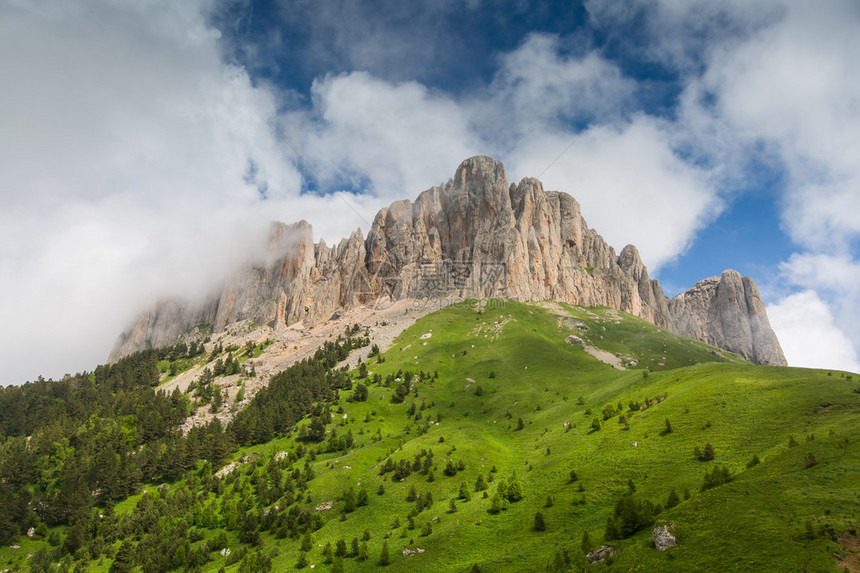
(601,554)
(728,312)
(475,236)
(663,537)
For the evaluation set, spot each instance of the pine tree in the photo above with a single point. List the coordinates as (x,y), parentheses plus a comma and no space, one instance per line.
(383,555)
(481,483)
(307,542)
(495,503)
(465,494)
(668,429)
(349,501)
(539,523)
(362,498)
(217,399)
(715,478)
(520,424)
(514,490)
(302,561)
(502,488)
(672,500)
(562,561)
(76,537)
(125,559)
(586,543)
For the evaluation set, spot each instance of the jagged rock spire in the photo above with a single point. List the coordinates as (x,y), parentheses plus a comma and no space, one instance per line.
(474,236)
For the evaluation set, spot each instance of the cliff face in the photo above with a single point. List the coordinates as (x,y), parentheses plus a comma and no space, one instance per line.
(475,236)
(728,312)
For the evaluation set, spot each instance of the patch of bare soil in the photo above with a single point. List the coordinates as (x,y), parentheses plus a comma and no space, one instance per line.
(605,357)
(851,560)
(553,307)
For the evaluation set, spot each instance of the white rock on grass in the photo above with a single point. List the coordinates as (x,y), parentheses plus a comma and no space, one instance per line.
(663,537)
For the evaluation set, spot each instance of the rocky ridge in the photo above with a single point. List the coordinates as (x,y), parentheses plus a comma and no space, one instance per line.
(475,236)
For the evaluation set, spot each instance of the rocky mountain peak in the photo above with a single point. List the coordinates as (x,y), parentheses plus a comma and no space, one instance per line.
(728,311)
(475,236)
(480,175)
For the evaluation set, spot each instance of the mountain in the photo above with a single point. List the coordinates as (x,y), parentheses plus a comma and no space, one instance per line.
(475,236)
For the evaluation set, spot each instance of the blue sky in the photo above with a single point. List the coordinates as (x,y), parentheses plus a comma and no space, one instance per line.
(146,145)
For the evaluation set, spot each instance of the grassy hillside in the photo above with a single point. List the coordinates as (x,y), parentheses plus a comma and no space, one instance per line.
(503,395)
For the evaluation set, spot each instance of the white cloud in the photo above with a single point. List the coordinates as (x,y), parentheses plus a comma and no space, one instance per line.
(124,171)
(390,39)
(538,86)
(677,32)
(396,138)
(794,86)
(835,278)
(820,271)
(808,334)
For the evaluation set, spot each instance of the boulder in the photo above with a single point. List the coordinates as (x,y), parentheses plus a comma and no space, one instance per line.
(600,554)
(663,537)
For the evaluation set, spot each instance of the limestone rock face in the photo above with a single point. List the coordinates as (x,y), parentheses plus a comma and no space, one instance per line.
(475,236)
(159,326)
(663,537)
(728,312)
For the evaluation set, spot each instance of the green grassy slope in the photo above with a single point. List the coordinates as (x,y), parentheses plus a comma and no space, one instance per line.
(776,516)
(756,521)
